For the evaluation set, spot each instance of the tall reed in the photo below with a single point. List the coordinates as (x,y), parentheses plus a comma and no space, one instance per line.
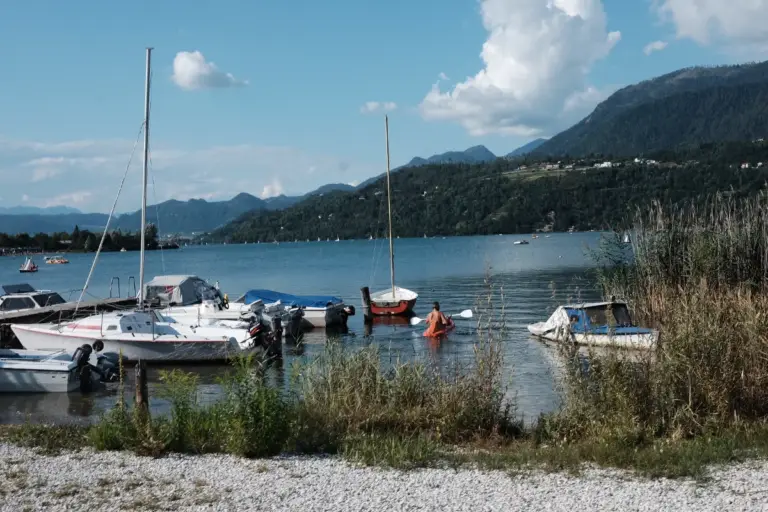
(700,275)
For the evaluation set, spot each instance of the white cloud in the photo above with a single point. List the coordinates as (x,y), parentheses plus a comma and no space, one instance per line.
(372,107)
(739,22)
(273,189)
(655,46)
(443,76)
(537,57)
(24,198)
(191,71)
(61,172)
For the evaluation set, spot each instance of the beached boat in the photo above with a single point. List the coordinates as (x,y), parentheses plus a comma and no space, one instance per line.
(598,324)
(28,266)
(319,310)
(394,300)
(51,371)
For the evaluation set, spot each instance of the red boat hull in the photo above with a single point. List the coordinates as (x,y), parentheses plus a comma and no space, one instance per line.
(400,308)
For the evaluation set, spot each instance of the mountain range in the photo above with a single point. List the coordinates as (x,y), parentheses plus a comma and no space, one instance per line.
(678,110)
(687,107)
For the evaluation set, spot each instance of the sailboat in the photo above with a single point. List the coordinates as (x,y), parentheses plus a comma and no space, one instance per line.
(394,301)
(28,266)
(141,333)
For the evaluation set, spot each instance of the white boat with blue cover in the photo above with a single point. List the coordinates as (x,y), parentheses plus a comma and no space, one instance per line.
(319,310)
(598,323)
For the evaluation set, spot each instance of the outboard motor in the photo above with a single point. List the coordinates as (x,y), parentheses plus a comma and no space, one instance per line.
(82,357)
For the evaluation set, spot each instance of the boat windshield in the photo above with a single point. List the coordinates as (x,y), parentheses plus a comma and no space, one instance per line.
(598,315)
(48,299)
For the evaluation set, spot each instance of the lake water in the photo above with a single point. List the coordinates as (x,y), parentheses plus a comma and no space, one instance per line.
(532,279)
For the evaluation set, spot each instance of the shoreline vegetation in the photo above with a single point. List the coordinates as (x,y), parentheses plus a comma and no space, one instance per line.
(79,241)
(699,274)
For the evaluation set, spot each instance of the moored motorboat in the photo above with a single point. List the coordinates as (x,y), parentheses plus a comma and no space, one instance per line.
(599,324)
(521,242)
(319,310)
(51,371)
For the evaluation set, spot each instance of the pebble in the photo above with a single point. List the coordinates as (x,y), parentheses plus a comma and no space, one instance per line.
(83,480)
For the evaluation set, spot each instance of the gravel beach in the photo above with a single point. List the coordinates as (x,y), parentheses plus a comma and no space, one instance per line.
(114,481)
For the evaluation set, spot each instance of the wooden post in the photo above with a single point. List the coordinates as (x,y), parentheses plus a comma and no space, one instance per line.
(142,394)
(365,294)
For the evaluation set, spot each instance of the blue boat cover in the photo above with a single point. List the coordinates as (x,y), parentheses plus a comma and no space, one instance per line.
(308,301)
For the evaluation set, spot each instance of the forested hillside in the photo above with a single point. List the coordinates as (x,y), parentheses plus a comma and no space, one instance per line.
(685,108)
(502,197)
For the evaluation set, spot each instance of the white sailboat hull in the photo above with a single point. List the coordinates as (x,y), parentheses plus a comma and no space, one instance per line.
(161,348)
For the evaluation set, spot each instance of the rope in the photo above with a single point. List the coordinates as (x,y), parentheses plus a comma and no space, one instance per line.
(157,216)
(109,219)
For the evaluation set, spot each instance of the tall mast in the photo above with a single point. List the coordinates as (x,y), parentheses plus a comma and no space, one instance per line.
(144,177)
(389,209)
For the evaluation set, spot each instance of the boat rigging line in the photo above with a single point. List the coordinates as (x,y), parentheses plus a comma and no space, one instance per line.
(109,219)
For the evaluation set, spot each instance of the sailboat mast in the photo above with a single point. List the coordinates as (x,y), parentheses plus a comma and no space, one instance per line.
(144,177)
(389,209)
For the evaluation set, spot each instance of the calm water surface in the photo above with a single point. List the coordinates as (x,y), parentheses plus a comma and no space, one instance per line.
(532,279)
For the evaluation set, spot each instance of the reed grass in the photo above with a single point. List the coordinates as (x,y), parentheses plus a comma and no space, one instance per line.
(699,275)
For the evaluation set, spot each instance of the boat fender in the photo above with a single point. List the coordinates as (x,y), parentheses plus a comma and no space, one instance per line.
(226,301)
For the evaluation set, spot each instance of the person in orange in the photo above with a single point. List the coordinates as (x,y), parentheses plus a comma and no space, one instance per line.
(437,322)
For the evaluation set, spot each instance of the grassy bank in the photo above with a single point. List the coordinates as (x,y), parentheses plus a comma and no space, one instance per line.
(699,275)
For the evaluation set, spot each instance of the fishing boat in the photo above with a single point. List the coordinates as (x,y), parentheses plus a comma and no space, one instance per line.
(28,266)
(140,334)
(56,260)
(599,324)
(394,300)
(51,371)
(521,242)
(319,310)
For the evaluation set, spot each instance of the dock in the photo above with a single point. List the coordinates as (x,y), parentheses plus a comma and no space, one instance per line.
(56,313)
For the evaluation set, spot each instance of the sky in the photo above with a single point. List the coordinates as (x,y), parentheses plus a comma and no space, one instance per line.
(271,98)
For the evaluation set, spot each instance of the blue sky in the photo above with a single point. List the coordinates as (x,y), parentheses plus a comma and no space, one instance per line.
(298,91)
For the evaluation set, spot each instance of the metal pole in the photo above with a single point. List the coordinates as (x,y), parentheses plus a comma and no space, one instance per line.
(144,178)
(389,208)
